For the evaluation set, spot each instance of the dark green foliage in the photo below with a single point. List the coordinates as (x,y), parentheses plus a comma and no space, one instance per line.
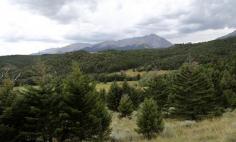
(88,117)
(126,106)
(136,95)
(149,120)
(228,85)
(114,96)
(193,94)
(159,91)
(116,92)
(114,61)
(53,110)
(7,96)
(103,95)
(30,115)
(6,93)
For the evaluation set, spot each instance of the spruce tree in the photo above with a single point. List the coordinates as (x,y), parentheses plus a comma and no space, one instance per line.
(114,96)
(126,106)
(88,116)
(193,94)
(228,85)
(159,91)
(6,93)
(149,119)
(135,95)
(30,115)
(7,97)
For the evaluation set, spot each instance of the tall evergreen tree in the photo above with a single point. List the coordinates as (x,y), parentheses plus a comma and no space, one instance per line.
(159,91)
(88,116)
(30,113)
(6,93)
(126,106)
(149,120)
(114,96)
(193,94)
(228,85)
(135,95)
(7,96)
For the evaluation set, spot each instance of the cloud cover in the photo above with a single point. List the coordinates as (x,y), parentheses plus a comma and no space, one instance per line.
(30,25)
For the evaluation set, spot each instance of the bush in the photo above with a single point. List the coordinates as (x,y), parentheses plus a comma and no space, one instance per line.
(126,106)
(149,120)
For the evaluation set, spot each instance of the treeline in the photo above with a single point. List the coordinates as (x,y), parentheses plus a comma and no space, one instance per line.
(115,61)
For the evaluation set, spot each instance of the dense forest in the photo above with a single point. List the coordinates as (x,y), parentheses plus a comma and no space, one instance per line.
(58,100)
(22,67)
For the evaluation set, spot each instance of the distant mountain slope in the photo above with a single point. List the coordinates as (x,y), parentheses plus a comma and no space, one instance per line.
(212,52)
(233,34)
(69,48)
(149,41)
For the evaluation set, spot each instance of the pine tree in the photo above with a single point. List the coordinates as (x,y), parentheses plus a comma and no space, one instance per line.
(6,93)
(193,94)
(114,96)
(149,120)
(158,90)
(126,106)
(30,114)
(228,85)
(88,116)
(135,95)
(7,97)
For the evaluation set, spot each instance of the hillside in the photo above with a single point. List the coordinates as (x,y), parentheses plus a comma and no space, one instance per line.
(230,35)
(69,48)
(112,61)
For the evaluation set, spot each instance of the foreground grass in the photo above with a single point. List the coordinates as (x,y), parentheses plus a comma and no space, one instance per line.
(215,130)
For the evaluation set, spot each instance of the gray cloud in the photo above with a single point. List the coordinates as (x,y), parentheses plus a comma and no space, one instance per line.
(81,14)
(209,14)
(63,11)
(94,37)
(16,38)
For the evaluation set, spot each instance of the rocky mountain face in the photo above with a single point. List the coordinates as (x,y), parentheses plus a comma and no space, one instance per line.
(148,41)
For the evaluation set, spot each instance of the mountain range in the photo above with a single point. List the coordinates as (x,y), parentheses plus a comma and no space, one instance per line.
(148,41)
(69,48)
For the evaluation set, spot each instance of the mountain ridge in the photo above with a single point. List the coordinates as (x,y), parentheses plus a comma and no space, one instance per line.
(230,35)
(147,41)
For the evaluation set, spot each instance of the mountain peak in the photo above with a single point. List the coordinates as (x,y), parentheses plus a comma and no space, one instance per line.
(152,35)
(230,35)
(148,41)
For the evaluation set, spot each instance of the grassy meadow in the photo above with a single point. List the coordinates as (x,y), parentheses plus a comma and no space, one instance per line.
(131,73)
(221,129)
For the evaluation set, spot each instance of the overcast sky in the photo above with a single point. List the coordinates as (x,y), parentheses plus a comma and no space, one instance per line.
(28,26)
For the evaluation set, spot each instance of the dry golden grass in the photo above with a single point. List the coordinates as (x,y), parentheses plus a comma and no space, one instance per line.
(216,130)
(132,73)
(107,85)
